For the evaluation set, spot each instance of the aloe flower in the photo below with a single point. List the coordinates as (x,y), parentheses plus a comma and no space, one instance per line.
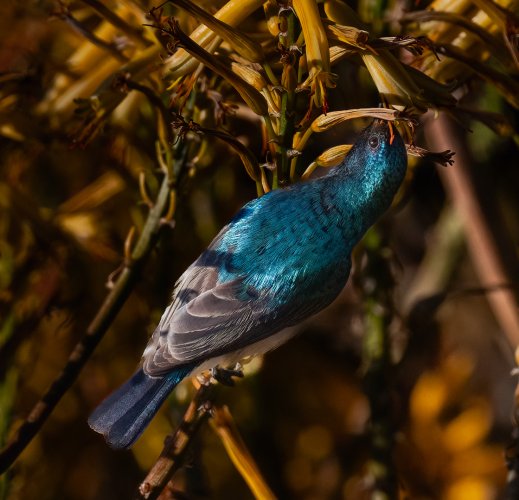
(317,51)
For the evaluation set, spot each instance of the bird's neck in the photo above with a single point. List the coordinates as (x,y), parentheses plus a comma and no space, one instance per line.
(362,196)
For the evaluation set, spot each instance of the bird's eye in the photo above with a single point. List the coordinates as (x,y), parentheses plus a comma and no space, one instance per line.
(373,142)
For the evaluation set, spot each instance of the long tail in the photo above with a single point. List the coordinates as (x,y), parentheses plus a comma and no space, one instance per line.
(123,416)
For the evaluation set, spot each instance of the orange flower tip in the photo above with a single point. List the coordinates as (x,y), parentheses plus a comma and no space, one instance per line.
(391,133)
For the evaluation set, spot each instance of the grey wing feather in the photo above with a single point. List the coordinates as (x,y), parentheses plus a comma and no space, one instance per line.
(224,318)
(205,327)
(193,281)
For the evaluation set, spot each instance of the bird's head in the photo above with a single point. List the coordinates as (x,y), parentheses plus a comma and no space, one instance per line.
(378,149)
(376,164)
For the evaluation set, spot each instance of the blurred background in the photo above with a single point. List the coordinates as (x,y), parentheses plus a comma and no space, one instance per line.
(75,151)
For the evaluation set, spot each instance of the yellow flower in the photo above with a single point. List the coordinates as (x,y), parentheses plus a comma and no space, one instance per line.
(317,51)
(394,84)
(250,95)
(329,158)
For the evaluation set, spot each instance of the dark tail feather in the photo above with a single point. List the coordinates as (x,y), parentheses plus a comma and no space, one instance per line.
(123,416)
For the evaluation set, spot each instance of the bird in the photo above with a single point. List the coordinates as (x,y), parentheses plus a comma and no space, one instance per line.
(282,258)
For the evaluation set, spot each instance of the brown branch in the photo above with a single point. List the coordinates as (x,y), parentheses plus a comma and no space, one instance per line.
(506,84)
(176,446)
(94,333)
(483,248)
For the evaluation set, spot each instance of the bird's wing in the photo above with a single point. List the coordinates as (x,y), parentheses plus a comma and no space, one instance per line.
(236,293)
(195,280)
(212,323)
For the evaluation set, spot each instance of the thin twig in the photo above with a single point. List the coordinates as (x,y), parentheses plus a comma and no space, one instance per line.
(94,333)
(176,446)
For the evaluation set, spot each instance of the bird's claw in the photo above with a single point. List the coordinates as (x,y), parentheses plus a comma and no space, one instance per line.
(225,375)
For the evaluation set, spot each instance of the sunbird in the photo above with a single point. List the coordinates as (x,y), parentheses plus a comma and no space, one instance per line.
(282,258)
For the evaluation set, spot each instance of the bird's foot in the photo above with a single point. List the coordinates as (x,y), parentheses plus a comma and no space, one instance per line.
(225,375)
(204,378)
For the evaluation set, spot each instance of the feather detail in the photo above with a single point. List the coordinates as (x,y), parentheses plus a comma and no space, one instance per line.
(123,416)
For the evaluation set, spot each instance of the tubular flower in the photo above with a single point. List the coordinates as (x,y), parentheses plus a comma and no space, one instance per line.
(249,94)
(327,159)
(394,84)
(317,52)
(324,122)
(342,13)
(271,9)
(349,35)
(255,78)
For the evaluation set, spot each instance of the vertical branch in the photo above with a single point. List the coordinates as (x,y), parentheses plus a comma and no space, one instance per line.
(289,82)
(377,285)
(483,247)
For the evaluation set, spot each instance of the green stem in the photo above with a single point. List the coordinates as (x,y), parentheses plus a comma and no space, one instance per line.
(286,132)
(270,128)
(275,179)
(287,125)
(272,136)
(377,363)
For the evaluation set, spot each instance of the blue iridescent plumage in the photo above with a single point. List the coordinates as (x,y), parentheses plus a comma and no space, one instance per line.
(282,258)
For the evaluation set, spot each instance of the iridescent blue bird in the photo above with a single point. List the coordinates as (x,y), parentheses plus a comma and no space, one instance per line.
(282,258)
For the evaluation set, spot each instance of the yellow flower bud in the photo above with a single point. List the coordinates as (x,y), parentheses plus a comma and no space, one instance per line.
(271,13)
(250,95)
(250,75)
(393,82)
(327,159)
(317,52)
(324,122)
